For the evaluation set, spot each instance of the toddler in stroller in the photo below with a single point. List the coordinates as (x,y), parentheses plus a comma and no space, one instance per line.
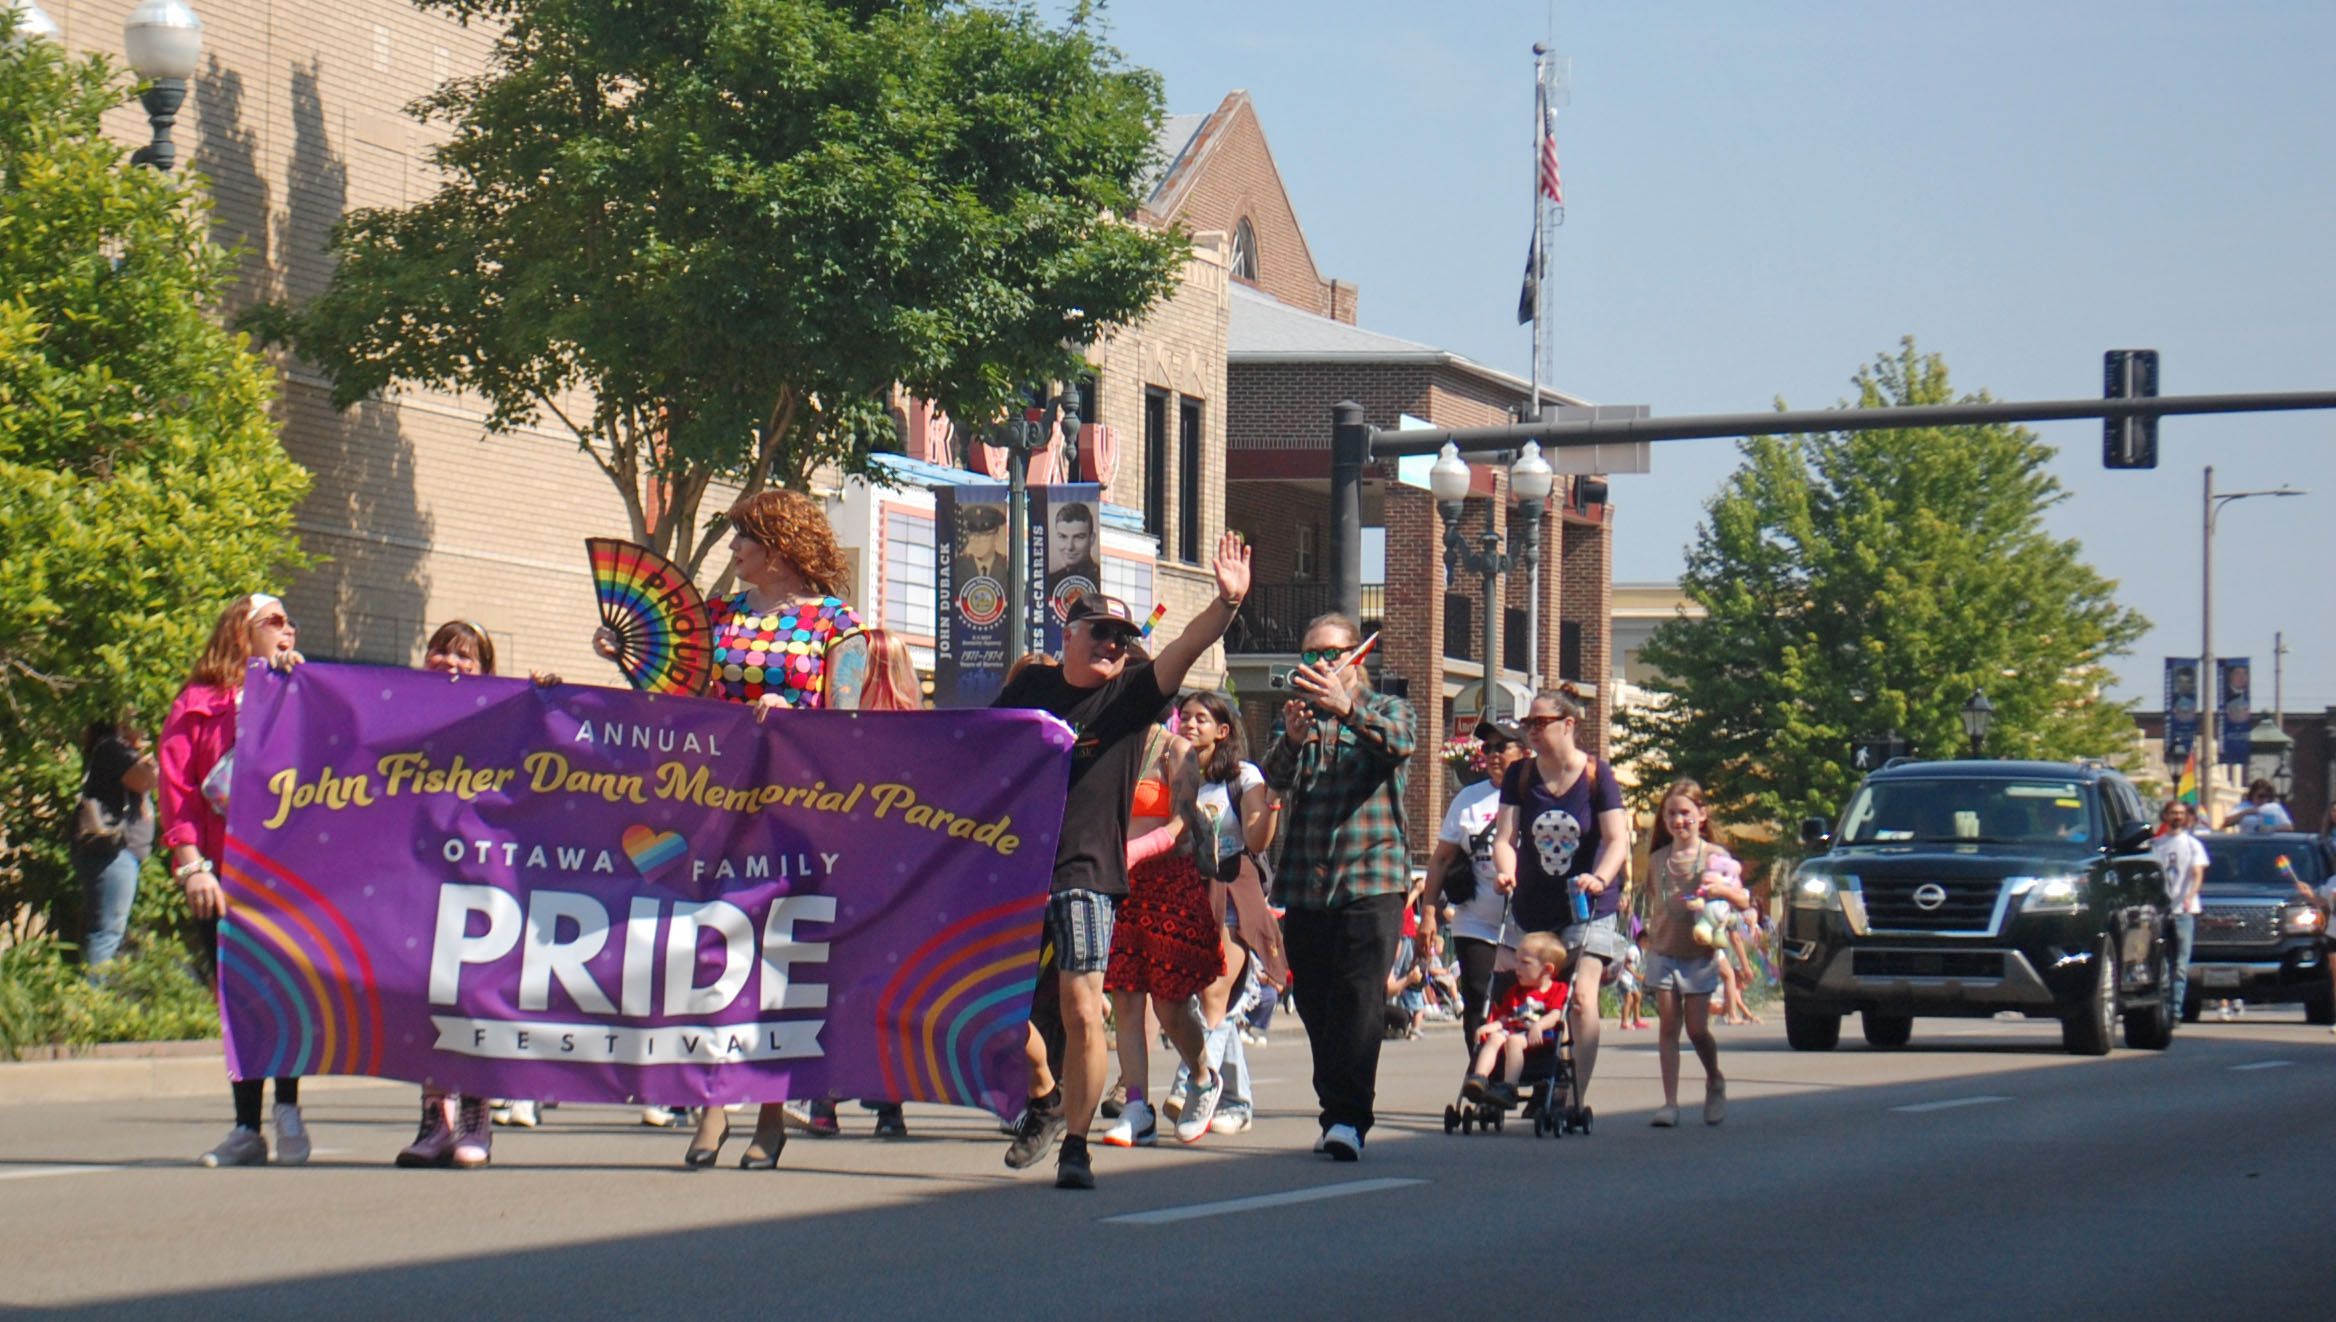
(1523,1045)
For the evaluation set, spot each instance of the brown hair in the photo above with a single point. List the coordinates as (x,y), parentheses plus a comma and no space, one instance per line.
(1689,790)
(892,674)
(2261,786)
(1354,631)
(1224,764)
(793,527)
(470,631)
(1025,661)
(1569,701)
(222,659)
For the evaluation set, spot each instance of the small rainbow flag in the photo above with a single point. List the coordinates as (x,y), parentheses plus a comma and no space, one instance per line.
(2186,789)
(1159,613)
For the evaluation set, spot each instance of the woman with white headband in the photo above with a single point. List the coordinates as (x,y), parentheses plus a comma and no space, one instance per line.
(197,752)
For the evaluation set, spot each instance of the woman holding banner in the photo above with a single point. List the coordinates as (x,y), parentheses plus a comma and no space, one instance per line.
(196,758)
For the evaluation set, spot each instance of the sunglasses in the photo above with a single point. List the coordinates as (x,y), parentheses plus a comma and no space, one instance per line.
(1102,634)
(1315,656)
(1536,723)
(275,622)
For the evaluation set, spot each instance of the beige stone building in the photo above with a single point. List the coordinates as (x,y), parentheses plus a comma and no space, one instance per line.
(296,117)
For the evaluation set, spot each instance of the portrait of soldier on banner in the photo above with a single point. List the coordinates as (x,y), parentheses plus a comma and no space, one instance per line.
(1072,567)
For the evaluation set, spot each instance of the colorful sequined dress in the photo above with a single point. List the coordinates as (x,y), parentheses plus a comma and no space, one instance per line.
(781,651)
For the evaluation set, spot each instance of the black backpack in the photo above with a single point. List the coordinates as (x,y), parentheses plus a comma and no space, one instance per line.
(1460,876)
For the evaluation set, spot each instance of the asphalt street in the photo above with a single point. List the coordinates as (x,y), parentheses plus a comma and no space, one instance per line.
(1978,1173)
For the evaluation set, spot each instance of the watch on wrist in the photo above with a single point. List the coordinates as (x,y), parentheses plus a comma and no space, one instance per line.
(190,868)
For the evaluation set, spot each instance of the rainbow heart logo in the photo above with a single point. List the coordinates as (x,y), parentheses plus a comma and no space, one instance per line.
(652,850)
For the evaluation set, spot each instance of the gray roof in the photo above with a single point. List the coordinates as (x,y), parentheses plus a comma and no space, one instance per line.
(1176,134)
(1263,329)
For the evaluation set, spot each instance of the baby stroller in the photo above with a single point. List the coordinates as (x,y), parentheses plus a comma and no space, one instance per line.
(1549,1095)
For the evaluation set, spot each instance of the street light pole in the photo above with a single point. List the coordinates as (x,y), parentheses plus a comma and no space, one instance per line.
(163,39)
(1530,480)
(2209,684)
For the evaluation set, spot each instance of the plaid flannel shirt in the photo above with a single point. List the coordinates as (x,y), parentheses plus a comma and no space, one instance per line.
(1342,835)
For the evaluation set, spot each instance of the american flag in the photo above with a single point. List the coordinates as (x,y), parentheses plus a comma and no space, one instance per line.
(1551,188)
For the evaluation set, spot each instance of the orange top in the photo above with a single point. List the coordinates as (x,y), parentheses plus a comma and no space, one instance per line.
(1152,799)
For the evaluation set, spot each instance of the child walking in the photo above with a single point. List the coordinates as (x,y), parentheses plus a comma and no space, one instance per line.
(1521,1021)
(1683,974)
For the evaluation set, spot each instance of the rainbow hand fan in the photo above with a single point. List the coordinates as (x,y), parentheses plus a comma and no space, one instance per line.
(665,635)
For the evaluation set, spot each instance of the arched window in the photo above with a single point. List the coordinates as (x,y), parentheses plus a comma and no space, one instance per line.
(1244,251)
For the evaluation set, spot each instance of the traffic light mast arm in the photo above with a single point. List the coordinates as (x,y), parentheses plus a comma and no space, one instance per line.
(1393,443)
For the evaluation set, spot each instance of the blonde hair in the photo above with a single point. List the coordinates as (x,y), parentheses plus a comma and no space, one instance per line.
(1544,946)
(892,674)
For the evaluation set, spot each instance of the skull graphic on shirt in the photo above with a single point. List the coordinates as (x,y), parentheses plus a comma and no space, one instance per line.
(1556,835)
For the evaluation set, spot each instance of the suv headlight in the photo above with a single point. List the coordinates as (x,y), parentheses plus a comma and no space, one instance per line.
(1817,891)
(2059,892)
(2301,920)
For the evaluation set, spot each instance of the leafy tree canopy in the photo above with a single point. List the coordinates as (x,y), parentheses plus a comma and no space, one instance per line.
(709,236)
(1857,583)
(142,483)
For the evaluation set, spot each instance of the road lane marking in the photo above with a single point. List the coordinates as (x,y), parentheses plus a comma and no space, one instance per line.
(1194,1211)
(46,1171)
(1948,1105)
(2263,1065)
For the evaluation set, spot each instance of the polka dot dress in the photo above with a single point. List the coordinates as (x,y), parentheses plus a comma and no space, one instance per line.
(781,651)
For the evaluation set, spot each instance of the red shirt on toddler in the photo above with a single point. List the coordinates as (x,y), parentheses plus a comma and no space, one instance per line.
(1521,1005)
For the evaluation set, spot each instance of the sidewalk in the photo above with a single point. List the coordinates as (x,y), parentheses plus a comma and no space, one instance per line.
(129,1071)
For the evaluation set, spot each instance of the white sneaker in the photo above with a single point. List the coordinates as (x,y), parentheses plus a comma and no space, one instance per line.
(241,1147)
(1200,1107)
(1255,1040)
(1135,1128)
(1342,1143)
(291,1136)
(658,1117)
(1230,1120)
(526,1115)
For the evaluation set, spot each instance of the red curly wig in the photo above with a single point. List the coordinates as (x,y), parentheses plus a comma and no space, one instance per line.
(793,527)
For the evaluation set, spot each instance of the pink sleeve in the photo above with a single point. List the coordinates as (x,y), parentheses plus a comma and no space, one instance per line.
(1151,844)
(181,780)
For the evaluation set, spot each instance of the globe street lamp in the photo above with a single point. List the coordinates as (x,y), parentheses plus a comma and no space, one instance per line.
(32,23)
(2210,703)
(1530,481)
(1978,719)
(164,39)
(1025,432)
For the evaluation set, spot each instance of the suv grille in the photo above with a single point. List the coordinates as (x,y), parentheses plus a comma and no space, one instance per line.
(1891,905)
(2239,925)
(1927,963)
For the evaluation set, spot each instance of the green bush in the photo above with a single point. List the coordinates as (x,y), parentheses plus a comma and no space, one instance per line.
(149,993)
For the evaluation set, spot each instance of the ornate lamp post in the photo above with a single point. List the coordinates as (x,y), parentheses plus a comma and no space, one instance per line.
(164,39)
(1978,719)
(1530,481)
(1022,435)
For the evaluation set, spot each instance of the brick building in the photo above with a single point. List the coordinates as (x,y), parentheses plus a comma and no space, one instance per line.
(1292,351)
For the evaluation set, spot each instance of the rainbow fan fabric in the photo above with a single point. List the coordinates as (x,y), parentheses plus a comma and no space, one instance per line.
(665,635)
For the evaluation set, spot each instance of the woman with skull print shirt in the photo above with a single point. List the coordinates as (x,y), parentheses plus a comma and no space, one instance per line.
(1562,828)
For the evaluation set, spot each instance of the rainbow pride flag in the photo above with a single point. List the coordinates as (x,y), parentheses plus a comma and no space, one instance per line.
(2186,789)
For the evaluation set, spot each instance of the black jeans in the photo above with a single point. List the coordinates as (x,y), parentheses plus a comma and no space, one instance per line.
(1476,959)
(1339,960)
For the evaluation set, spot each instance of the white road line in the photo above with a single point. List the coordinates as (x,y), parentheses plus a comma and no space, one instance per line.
(45,1171)
(1195,1211)
(2262,1065)
(1948,1105)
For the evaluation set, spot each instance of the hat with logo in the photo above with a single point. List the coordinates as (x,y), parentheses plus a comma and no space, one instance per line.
(1098,607)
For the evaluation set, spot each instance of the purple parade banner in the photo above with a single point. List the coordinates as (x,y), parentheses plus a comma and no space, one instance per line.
(592,895)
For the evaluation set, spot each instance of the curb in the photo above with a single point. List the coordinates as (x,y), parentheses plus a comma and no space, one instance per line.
(190,1069)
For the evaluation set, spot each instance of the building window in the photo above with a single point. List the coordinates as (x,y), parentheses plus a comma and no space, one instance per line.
(1304,559)
(1569,650)
(909,605)
(1156,463)
(1089,409)
(1244,251)
(1188,480)
(1130,580)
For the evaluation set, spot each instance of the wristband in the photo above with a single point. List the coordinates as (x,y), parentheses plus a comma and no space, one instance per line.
(185,870)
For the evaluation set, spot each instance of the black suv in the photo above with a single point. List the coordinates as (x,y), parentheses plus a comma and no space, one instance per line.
(1968,888)
(2257,938)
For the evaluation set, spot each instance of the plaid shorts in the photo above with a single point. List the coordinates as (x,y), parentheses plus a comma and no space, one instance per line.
(1078,925)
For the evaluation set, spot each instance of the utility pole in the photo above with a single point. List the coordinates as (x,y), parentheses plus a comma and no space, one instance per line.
(2209,683)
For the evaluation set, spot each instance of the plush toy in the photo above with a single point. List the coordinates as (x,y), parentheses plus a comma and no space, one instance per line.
(1713,914)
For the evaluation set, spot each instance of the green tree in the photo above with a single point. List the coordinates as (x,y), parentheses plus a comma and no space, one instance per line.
(1857,583)
(142,482)
(708,237)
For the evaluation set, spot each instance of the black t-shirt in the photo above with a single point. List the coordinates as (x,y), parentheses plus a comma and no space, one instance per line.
(1110,721)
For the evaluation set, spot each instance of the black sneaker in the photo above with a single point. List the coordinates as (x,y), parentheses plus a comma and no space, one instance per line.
(889,1123)
(1073,1170)
(1034,1136)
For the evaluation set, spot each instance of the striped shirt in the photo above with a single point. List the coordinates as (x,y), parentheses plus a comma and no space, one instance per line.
(1342,836)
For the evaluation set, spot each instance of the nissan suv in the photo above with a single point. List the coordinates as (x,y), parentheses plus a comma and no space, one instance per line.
(2258,939)
(1972,888)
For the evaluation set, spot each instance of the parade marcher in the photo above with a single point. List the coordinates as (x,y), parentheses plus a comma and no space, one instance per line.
(2261,813)
(1110,705)
(113,832)
(770,652)
(195,760)
(2182,856)
(1481,944)
(1339,763)
(1687,870)
(1560,848)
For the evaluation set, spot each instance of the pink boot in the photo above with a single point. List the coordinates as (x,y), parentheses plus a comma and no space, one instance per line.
(434,1145)
(474,1133)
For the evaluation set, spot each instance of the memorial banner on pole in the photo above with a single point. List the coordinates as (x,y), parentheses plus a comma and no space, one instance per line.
(1066,556)
(591,895)
(2234,713)
(970,573)
(2181,708)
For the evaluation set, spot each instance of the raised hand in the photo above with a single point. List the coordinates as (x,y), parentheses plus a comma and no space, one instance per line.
(1232,568)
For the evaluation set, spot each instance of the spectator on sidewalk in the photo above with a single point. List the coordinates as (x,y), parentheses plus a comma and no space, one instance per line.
(113,832)
(2261,813)
(1338,762)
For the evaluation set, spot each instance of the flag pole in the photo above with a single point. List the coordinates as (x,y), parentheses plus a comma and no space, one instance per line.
(1540,255)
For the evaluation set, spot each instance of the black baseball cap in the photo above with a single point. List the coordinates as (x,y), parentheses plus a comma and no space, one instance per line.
(1500,729)
(1098,607)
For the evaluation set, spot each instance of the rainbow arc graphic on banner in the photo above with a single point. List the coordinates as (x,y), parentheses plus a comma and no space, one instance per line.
(937,1016)
(296,954)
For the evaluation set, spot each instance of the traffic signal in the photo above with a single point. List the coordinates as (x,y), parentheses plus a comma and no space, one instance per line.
(2129,442)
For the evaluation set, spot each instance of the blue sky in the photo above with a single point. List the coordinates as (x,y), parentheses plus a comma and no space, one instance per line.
(1763,197)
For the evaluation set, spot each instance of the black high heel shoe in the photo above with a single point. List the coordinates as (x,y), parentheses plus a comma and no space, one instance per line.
(700,1158)
(763,1154)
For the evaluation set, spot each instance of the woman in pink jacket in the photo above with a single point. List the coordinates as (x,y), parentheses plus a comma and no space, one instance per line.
(198,742)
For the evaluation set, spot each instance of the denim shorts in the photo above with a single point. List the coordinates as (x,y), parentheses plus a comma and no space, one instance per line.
(1599,937)
(1688,977)
(1078,924)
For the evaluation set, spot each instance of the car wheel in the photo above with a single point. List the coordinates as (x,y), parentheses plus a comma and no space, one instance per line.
(2150,1027)
(1887,1030)
(2321,1009)
(1809,1030)
(2091,1025)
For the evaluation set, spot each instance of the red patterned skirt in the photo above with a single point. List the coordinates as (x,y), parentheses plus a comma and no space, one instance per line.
(1166,940)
